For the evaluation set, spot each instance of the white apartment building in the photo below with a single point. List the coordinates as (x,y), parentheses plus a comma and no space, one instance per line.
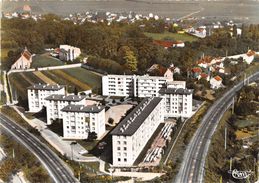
(177,102)
(132,85)
(68,52)
(130,136)
(54,104)
(38,92)
(79,120)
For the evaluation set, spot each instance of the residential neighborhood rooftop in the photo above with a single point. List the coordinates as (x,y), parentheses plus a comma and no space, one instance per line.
(82,108)
(175,91)
(65,97)
(46,87)
(130,124)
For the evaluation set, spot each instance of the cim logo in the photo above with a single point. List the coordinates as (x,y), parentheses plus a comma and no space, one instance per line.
(240,174)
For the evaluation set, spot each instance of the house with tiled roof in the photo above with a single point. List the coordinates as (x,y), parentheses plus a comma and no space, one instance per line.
(204,76)
(249,56)
(169,44)
(216,82)
(24,62)
(196,71)
(205,61)
(159,70)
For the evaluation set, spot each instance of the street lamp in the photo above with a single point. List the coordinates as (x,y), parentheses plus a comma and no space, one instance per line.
(71,145)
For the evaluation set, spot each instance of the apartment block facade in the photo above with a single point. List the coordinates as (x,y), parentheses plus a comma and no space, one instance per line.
(130,136)
(38,92)
(132,85)
(79,120)
(177,102)
(54,104)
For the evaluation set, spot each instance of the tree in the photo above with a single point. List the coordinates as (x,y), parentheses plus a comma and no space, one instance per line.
(131,61)
(234,30)
(110,121)
(75,90)
(92,136)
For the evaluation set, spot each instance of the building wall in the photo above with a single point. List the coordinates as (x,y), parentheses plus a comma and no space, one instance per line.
(36,98)
(131,85)
(22,63)
(54,108)
(126,149)
(177,105)
(77,125)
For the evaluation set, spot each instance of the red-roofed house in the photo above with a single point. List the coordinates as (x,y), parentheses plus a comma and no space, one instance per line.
(216,82)
(204,76)
(196,71)
(159,70)
(249,56)
(169,44)
(205,61)
(24,62)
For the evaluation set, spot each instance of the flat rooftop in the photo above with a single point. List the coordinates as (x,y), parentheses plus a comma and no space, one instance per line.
(135,76)
(180,91)
(129,125)
(46,87)
(82,108)
(75,98)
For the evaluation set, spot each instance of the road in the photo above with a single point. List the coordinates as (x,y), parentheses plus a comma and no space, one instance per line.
(193,166)
(56,168)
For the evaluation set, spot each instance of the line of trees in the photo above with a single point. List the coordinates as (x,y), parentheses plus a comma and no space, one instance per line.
(120,45)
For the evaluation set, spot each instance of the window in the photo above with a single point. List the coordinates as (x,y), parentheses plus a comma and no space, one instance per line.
(125,159)
(118,142)
(125,148)
(119,159)
(118,148)
(124,154)
(125,142)
(119,154)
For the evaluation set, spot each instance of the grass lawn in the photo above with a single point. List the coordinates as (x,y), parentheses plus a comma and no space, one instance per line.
(87,144)
(3,58)
(248,121)
(175,36)
(244,134)
(45,60)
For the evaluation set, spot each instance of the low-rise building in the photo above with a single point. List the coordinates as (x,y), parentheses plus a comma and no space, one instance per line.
(68,53)
(24,62)
(131,135)
(177,102)
(79,120)
(54,104)
(38,92)
(216,82)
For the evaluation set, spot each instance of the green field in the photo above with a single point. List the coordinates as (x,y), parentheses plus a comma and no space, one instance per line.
(45,60)
(20,82)
(248,121)
(88,77)
(80,78)
(84,77)
(174,36)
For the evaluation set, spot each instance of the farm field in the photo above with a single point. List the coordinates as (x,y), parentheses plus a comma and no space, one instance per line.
(80,78)
(173,36)
(44,60)
(20,82)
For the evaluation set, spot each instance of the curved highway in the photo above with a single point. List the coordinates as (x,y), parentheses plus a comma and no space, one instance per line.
(56,168)
(193,165)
